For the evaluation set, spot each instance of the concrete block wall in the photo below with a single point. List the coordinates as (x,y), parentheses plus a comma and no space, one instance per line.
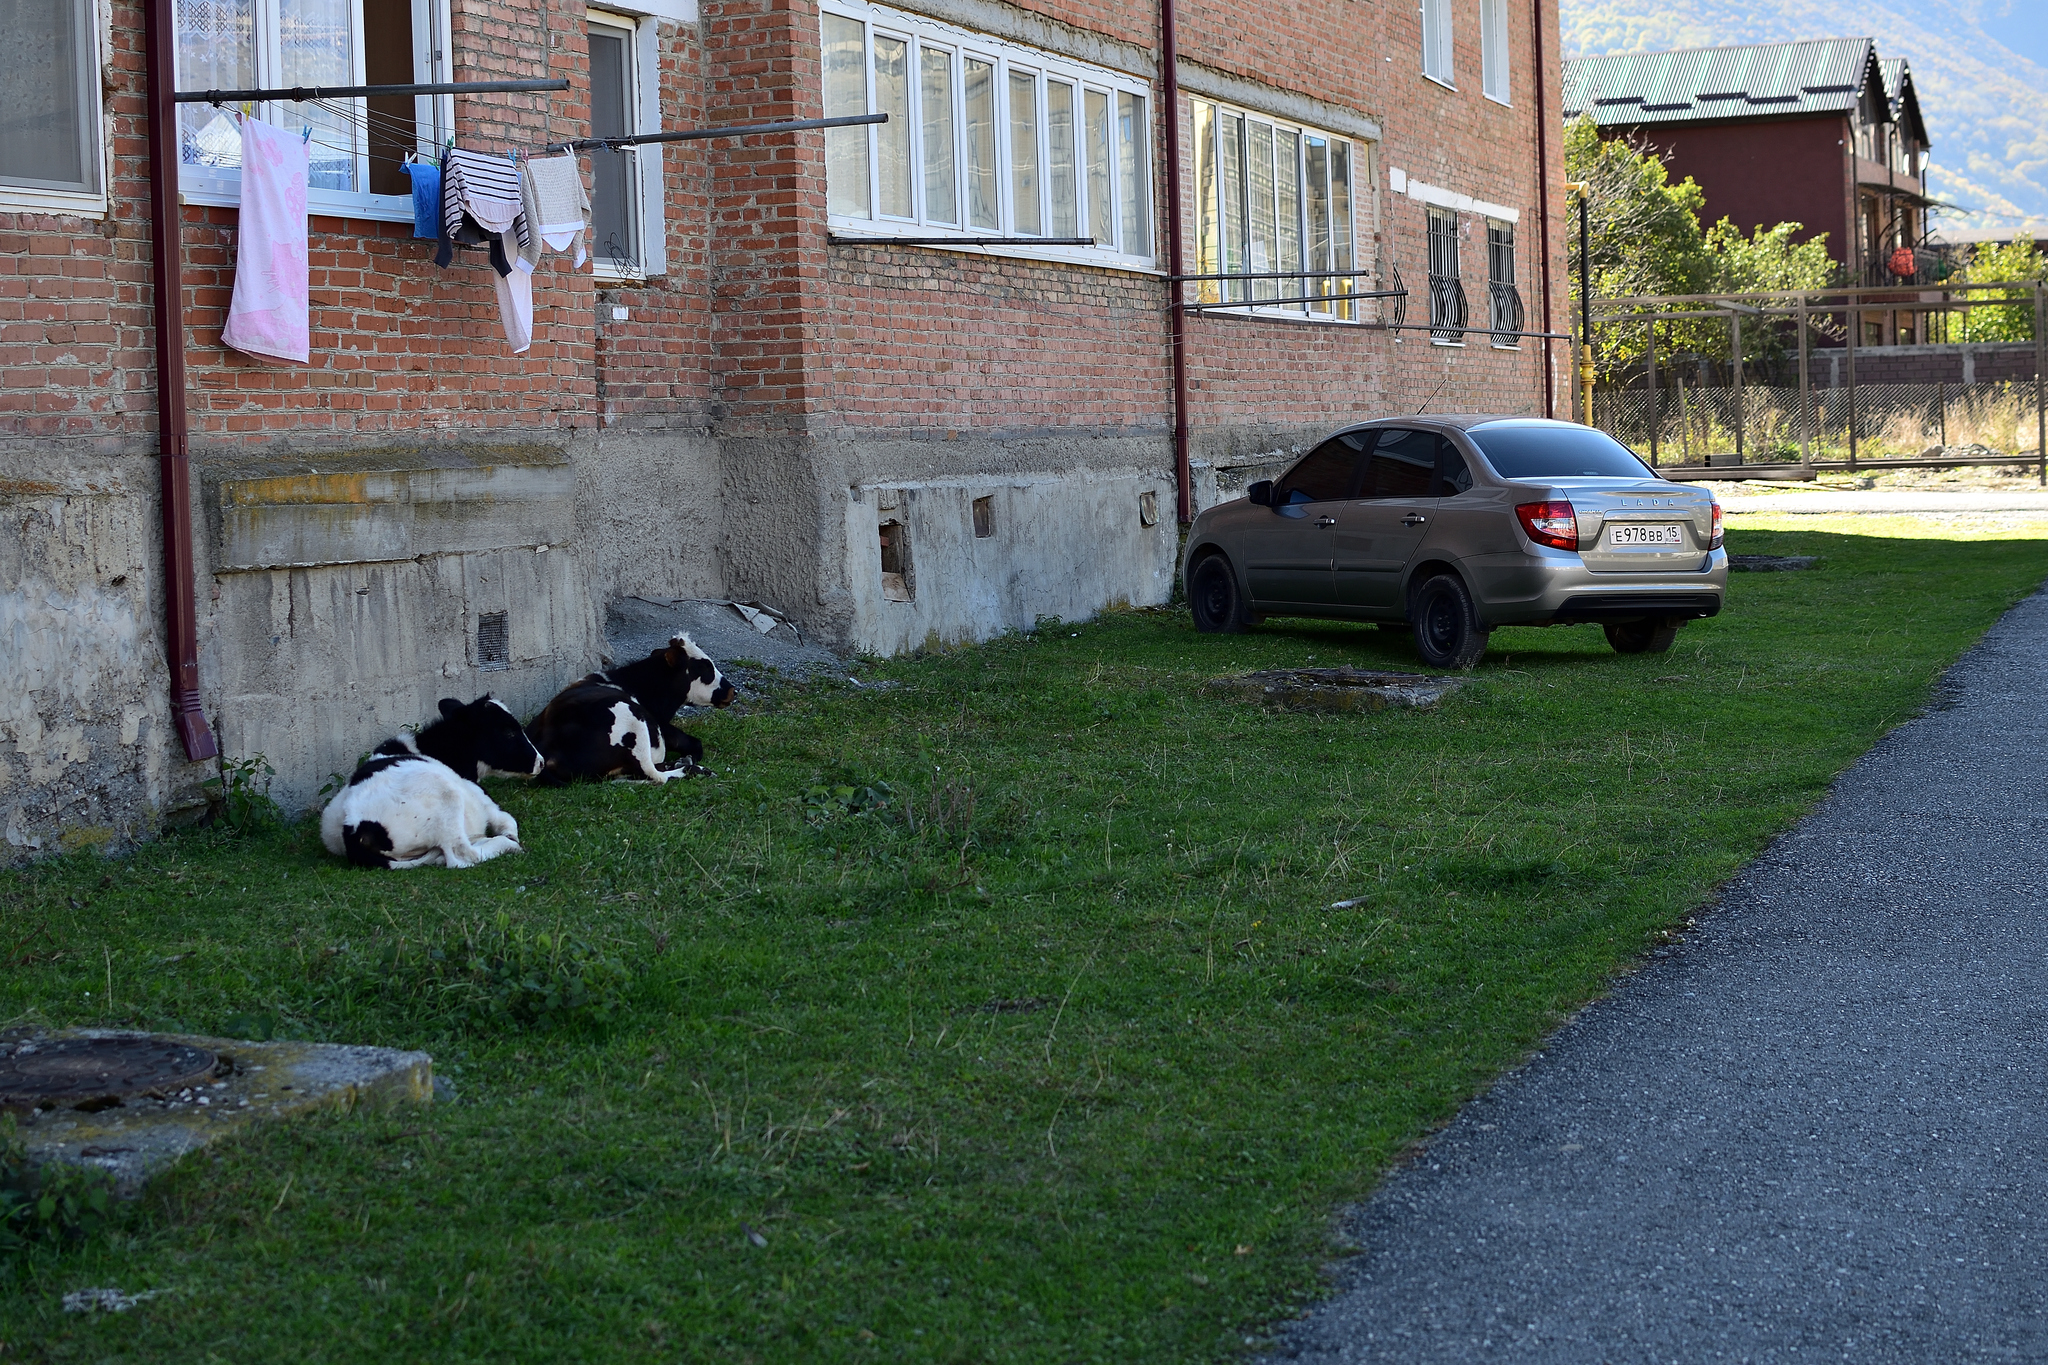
(1988,363)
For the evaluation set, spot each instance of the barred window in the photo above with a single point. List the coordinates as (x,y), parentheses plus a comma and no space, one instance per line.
(1505,317)
(1446,288)
(984,139)
(1271,198)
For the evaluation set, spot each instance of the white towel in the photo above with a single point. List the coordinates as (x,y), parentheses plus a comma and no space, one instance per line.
(268,316)
(557,209)
(515,302)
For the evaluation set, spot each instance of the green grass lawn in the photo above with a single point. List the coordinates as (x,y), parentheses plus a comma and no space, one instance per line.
(1052,1049)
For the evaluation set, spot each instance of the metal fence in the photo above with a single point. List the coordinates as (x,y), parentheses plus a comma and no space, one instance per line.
(1796,404)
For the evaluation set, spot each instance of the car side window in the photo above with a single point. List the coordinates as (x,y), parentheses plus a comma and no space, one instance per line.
(1402,465)
(1453,476)
(1329,473)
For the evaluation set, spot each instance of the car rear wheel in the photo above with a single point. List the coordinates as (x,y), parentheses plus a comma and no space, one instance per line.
(1642,637)
(1214,599)
(1448,633)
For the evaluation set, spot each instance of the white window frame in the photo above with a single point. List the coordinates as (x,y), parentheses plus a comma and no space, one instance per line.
(651,220)
(962,45)
(1438,43)
(1364,223)
(435,115)
(87,203)
(1494,72)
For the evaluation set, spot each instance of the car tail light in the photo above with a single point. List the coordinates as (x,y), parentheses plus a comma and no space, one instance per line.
(1715,543)
(1550,523)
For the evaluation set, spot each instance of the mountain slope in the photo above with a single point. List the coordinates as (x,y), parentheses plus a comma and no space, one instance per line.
(1986,105)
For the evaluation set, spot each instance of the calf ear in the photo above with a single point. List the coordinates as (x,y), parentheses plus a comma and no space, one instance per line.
(673,655)
(450,708)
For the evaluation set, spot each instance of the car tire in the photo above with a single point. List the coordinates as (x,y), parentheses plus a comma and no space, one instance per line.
(1448,632)
(1653,636)
(1214,598)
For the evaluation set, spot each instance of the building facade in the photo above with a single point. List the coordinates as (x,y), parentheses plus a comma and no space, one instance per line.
(1825,134)
(913,382)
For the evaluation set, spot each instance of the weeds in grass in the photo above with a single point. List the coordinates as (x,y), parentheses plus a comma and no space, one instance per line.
(240,797)
(55,1204)
(489,975)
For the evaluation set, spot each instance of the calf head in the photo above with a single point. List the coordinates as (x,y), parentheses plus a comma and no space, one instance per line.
(479,738)
(706,686)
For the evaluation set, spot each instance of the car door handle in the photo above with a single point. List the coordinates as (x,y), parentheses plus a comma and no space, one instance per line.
(1326,521)
(1413,519)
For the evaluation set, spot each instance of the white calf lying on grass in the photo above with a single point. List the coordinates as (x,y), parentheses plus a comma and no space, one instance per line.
(414,803)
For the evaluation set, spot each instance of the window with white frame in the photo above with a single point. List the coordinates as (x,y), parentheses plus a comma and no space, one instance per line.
(1493,49)
(357,147)
(626,222)
(50,145)
(1277,199)
(984,139)
(1436,41)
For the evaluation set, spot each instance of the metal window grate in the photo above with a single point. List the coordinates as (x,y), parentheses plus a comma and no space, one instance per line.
(1446,290)
(493,648)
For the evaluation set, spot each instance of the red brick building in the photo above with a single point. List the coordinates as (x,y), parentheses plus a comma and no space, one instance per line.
(1823,133)
(912,382)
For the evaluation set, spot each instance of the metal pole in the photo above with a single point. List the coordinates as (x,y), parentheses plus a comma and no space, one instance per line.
(1735,353)
(1805,395)
(1543,197)
(1585,304)
(1651,352)
(1855,321)
(1944,414)
(299,94)
(181,611)
(2041,362)
(1176,266)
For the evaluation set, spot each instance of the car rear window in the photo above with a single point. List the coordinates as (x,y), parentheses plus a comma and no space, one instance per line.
(1556,453)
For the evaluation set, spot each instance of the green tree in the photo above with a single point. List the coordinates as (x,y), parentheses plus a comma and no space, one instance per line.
(2017,262)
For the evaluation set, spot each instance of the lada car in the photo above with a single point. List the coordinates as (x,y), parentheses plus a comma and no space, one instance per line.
(1457,525)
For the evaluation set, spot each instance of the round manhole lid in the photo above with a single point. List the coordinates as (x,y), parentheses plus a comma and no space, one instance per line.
(68,1072)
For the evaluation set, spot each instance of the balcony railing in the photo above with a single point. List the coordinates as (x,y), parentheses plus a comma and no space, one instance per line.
(1507,313)
(1447,311)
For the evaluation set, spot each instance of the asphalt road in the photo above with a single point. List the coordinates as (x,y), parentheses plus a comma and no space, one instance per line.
(1815,1129)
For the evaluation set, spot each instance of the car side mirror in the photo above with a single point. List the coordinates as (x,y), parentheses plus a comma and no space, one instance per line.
(1259,494)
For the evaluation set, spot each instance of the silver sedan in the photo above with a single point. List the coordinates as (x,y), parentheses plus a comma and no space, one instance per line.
(1456,525)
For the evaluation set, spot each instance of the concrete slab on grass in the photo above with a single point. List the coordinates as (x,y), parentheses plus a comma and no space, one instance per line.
(140,1136)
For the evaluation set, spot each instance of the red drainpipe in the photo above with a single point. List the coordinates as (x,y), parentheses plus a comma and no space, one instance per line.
(1543,202)
(175,470)
(1169,58)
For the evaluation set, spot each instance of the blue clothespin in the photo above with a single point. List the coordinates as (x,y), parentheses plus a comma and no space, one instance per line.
(306,135)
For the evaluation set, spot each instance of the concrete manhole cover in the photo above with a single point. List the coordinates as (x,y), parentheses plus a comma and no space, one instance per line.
(86,1073)
(1334,689)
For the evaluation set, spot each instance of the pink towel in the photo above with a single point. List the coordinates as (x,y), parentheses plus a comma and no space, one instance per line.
(268,316)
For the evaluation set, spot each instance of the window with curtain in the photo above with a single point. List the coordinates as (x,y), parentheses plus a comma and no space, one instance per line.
(1436,41)
(49,97)
(1493,49)
(1276,199)
(984,139)
(357,147)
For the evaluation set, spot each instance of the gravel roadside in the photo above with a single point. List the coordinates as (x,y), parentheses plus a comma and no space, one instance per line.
(1814,1129)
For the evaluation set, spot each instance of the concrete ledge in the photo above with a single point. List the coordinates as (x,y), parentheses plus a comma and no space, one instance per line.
(136,1139)
(303,520)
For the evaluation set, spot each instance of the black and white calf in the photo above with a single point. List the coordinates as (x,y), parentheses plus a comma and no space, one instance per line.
(415,801)
(620,723)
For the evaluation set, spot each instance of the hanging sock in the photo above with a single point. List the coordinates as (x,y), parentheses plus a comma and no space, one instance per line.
(426,198)
(557,208)
(515,295)
(268,316)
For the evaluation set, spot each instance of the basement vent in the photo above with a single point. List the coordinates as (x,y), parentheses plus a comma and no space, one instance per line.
(492,647)
(1148,509)
(896,581)
(984,518)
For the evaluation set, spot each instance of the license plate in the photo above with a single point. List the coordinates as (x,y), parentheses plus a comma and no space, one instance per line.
(1635,536)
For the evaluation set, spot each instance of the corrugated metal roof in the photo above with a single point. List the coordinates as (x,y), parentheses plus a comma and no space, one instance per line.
(1768,80)
(1904,99)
